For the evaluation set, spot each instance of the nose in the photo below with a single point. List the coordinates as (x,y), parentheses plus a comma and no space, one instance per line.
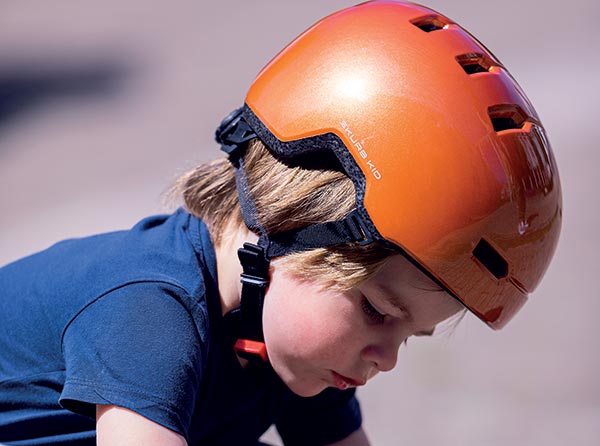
(383,356)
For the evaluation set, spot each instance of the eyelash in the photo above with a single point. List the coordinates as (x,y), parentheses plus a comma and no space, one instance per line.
(373,315)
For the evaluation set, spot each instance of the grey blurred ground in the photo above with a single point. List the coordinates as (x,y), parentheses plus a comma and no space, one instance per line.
(102,104)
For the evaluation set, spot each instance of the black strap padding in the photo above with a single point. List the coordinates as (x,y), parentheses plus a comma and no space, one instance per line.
(233,134)
(310,145)
(247,205)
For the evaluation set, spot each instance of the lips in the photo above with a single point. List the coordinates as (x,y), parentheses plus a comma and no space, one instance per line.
(343,382)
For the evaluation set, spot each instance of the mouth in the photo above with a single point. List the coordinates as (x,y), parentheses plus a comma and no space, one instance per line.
(343,382)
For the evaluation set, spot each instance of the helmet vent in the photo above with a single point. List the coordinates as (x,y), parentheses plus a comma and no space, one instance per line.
(430,23)
(487,256)
(475,63)
(507,117)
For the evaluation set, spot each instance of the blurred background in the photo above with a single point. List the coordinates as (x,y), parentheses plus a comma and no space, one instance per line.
(103,104)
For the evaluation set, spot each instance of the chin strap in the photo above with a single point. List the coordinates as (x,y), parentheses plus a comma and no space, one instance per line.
(233,134)
(255,279)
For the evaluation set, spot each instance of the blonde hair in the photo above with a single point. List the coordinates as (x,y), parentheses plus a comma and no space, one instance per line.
(286,197)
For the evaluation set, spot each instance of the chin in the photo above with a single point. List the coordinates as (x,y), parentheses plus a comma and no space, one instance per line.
(306,389)
(299,383)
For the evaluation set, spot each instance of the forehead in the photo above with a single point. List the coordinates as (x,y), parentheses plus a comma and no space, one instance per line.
(398,270)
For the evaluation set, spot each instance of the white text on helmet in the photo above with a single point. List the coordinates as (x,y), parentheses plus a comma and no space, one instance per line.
(360,150)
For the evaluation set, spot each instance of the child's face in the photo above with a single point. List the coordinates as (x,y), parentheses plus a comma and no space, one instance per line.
(317,339)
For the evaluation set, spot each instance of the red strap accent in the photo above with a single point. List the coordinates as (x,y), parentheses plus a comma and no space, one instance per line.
(246,347)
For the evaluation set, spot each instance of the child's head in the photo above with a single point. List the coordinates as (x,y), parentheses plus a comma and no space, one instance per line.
(394,123)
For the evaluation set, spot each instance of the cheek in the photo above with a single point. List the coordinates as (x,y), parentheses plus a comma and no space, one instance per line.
(303,319)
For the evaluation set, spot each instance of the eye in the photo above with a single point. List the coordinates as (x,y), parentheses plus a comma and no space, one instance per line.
(371,312)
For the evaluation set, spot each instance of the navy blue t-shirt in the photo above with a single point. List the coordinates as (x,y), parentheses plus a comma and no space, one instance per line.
(133,318)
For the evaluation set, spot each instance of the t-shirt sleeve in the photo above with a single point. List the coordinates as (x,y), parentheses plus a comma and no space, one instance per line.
(323,419)
(136,347)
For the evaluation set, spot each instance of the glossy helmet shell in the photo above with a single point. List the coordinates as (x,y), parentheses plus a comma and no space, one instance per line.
(454,166)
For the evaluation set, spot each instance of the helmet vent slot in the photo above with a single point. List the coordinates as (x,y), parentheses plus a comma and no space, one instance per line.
(475,63)
(507,117)
(491,259)
(431,23)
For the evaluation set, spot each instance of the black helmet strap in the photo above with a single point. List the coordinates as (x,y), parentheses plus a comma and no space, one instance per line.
(233,134)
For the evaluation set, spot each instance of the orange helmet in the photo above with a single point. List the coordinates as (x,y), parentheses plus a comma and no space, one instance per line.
(450,161)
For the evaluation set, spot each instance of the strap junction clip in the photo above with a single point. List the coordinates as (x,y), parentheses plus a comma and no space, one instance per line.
(233,132)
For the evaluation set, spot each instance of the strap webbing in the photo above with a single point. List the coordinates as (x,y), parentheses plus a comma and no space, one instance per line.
(319,235)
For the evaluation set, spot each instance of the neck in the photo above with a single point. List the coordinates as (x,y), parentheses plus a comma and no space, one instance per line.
(228,265)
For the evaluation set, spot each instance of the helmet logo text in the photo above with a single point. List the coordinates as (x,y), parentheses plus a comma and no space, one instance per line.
(360,150)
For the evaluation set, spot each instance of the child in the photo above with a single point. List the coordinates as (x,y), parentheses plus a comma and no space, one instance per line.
(385,173)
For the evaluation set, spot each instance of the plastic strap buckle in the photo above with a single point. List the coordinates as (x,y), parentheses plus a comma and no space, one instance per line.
(233,132)
(249,350)
(255,279)
(358,228)
(255,265)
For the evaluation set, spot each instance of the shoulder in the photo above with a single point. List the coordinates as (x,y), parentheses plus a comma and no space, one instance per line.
(139,312)
(142,347)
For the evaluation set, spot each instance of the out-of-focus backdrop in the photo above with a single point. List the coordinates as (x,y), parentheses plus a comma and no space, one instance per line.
(103,104)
